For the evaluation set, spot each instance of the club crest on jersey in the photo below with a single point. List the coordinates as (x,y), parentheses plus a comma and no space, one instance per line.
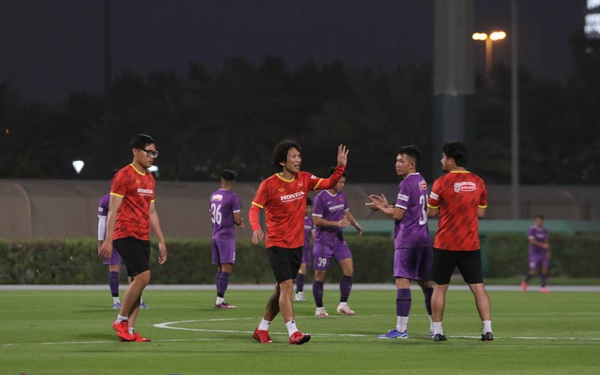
(423,185)
(465,186)
(300,184)
(281,190)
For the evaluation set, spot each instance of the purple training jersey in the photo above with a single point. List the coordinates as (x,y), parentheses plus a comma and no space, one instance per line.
(412,230)
(329,207)
(540,235)
(309,227)
(103,211)
(223,204)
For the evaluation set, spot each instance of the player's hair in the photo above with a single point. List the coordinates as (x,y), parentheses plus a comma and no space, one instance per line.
(539,216)
(457,151)
(309,201)
(140,141)
(412,151)
(229,175)
(332,169)
(281,150)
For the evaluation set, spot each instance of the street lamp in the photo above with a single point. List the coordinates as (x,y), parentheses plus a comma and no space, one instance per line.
(489,42)
(78,165)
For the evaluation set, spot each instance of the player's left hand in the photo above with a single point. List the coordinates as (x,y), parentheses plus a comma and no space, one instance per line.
(342,155)
(358,228)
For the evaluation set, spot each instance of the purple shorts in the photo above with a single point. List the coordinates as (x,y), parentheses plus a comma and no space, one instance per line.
(306,255)
(223,251)
(413,263)
(322,254)
(538,260)
(115,259)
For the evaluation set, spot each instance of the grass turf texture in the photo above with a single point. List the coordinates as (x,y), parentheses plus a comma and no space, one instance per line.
(68,332)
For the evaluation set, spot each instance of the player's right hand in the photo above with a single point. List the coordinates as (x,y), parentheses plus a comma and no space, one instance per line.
(257,236)
(105,251)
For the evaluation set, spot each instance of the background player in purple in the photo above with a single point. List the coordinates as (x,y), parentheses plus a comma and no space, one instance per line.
(412,243)
(331,214)
(114,262)
(539,253)
(225,212)
(309,234)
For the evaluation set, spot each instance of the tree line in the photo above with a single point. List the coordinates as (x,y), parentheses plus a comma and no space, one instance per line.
(204,121)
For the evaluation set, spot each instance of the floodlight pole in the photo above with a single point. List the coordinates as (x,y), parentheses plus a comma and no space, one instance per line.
(514,115)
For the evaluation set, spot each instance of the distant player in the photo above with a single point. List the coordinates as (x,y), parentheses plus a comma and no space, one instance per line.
(283,197)
(539,253)
(459,198)
(225,213)
(331,214)
(309,234)
(412,243)
(115,260)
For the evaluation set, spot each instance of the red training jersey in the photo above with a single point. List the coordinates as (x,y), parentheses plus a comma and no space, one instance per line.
(137,190)
(458,195)
(284,202)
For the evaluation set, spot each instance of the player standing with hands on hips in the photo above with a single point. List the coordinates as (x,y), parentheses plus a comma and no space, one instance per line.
(283,197)
(131,214)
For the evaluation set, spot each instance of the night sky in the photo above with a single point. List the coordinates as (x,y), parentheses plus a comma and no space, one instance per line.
(53,47)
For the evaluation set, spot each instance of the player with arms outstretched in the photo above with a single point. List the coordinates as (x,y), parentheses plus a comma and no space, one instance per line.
(283,197)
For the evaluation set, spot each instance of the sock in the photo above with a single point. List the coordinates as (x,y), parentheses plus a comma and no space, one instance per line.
(437,328)
(300,282)
(318,292)
(527,278)
(487,326)
(116,300)
(345,288)
(427,294)
(222,283)
(403,302)
(219,300)
(291,327)
(402,323)
(430,323)
(113,282)
(131,330)
(121,318)
(264,325)
(544,280)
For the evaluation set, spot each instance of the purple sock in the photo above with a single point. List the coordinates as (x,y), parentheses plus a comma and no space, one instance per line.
(318,293)
(544,280)
(113,282)
(403,302)
(345,288)
(427,294)
(300,282)
(222,283)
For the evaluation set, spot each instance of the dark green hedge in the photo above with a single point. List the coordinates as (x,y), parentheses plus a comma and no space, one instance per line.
(72,261)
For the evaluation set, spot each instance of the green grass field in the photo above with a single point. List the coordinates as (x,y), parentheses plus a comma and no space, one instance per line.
(68,332)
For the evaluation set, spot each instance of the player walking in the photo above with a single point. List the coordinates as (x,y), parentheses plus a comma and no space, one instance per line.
(539,253)
(283,197)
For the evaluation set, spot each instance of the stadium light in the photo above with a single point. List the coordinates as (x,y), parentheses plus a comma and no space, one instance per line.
(489,42)
(78,165)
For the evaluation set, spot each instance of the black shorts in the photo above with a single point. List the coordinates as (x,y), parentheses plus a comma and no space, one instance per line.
(135,254)
(445,261)
(284,262)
